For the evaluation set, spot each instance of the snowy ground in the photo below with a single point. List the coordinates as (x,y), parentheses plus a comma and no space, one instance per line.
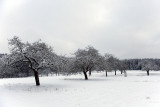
(136,90)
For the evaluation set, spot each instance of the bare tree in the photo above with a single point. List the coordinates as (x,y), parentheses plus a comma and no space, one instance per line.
(111,62)
(60,64)
(86,60)
(37,54)
(108,62)
(148,65)
(122,67)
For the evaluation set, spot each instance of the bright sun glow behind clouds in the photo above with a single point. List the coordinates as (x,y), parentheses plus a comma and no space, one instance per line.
(9,6)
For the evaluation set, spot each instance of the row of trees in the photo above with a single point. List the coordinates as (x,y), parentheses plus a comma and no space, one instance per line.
(27,59)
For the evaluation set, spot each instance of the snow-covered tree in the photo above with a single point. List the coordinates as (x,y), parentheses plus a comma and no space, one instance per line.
(122,67)
(86,59)
(6,67)
(1,68)
(37,54)
(111,62)
(148,65)
(108,62)
(60,65)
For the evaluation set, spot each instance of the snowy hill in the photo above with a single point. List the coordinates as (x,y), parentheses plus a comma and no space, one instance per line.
(135,90)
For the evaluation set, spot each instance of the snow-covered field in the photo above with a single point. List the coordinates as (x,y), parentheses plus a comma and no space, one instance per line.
(136,90)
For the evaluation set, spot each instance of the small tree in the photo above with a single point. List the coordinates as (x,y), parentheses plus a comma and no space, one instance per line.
(122,67)
(148,65)
(108,62)
(112,62)
(60,65)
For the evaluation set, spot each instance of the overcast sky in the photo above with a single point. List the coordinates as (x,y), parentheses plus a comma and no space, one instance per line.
(125,28)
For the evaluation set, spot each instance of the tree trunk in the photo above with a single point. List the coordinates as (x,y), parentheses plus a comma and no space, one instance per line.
(89,72)
(85,75)
(115,72)
(106,73)
(148,72)
(36,77)
(34,70)
(125,73)
(56,73)
(121,71)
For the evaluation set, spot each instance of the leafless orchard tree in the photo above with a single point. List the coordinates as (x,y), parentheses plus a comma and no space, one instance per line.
(148,65)
(123,67)
(37,54)
(86,60)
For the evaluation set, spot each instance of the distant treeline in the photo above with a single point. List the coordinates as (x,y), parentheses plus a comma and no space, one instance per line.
(136,64)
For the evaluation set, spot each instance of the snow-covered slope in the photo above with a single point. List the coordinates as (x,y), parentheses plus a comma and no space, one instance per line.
(136,90)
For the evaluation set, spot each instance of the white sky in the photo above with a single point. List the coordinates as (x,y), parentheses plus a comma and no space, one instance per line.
(125,28)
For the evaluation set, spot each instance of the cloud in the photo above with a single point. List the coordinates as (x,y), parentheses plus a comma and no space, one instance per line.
(125,28)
